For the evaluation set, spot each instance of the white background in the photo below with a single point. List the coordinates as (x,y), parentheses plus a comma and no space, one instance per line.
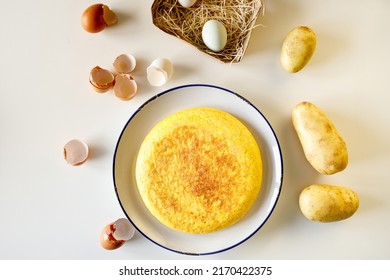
(51,210)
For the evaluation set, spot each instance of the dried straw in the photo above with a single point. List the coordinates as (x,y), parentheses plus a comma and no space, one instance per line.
(238,16)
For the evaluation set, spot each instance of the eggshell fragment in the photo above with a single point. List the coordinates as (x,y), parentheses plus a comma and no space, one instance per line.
(125,86)
(156,77)
(101,79)
(109,16)
(75,152)
(164,64)
(214,35)
(124,230)
(116,234)
(124,63)
(96,17)
(107,240)
(159,71)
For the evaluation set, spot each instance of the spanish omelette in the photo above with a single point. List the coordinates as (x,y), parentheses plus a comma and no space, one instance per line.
(199,170)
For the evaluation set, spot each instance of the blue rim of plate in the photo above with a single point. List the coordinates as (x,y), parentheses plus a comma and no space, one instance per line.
(243,99)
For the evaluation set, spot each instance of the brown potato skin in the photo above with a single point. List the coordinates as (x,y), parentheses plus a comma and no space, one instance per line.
(297,49)
(322,144)
(327,203)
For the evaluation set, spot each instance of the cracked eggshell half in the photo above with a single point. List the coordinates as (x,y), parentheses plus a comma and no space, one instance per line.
(101,79)
(96,17)
(125,86)
(159,71)
(75,152)
(114,235)
(124,63)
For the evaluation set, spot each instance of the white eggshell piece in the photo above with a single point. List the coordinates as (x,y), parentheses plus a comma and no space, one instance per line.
(187,3)
(124,230)
(156,76)
(164,64)
(125,86)
(124,63)
(214,35)
(76,152)
(159,71)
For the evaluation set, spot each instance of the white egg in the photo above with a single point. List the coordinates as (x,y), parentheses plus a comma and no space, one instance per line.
(214,35)
(187,3)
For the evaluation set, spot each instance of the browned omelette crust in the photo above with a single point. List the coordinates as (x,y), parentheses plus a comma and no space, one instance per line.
(199,170)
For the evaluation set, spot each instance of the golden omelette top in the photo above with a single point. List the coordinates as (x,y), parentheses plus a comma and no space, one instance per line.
(199,170)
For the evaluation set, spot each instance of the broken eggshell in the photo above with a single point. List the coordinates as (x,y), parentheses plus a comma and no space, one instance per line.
(96,17)
(124,63)
(101,79)
(125,86)
(75,152)
(159,71)
(109,16)
(116,234)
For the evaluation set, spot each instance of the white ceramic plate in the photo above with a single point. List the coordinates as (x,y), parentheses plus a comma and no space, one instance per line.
(169,102)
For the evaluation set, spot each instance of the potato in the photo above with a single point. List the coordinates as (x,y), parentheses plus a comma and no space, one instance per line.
(325,203)
(323,146)
(297,49)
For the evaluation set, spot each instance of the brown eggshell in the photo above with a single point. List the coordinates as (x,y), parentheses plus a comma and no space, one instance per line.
(107,240)
(92,18)
(109,16)
(101,79)
(125,87)
(75,152)
(124,63)
(96,17)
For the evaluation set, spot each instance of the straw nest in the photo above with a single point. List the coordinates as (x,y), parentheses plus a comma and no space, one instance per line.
(238,16)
